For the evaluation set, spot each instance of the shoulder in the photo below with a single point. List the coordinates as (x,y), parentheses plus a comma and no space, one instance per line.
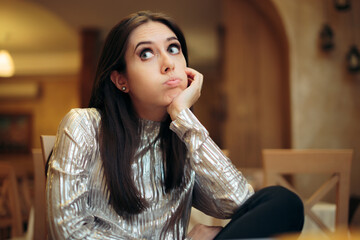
(81,120)
(84,114)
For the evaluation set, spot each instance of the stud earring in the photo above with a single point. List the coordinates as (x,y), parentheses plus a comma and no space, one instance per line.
(123,88)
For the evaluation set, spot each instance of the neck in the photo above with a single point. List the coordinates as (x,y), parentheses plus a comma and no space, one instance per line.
(152,114)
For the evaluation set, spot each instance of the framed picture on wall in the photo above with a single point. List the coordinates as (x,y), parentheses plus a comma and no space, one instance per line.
(15,132)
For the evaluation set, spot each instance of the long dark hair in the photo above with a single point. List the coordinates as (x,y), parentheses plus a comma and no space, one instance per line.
(119,132)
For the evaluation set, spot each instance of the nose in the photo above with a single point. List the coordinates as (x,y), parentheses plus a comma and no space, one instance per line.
(167,64)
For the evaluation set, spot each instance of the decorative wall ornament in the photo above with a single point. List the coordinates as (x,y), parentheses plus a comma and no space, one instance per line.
(353,59)
(326,33)
(327,38)
(342,5)
(353,55)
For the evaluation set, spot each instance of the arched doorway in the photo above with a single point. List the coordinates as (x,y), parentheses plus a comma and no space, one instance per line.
(256,72)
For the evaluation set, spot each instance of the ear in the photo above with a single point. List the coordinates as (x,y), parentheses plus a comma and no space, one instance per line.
(120,81)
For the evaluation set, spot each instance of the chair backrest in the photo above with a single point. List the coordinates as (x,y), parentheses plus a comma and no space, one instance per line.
(336,163)
(9,196)
(39,195)
(47,144)
(40,157)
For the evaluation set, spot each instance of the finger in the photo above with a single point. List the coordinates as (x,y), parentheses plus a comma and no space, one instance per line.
(194,75)
(198,78)
(191,73)
(195,79)
(190,80)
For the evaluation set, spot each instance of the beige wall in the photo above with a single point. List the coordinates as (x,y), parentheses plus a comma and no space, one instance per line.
(58,94)
(325,102)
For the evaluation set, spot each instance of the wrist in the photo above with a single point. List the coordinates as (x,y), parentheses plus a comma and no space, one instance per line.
(174,112)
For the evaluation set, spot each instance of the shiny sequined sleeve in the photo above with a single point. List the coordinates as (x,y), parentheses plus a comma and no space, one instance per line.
(220,188)
(68,179)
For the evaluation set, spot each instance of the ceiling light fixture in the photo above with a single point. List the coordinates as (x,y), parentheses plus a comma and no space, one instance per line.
(7,68)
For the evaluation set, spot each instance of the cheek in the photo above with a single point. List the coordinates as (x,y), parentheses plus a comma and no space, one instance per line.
(183,61)
(181,68)
(180,61)
(137,75)
(186,83)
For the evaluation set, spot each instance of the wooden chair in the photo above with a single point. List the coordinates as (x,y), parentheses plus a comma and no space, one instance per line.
(40,157)
(277,162)
(9,201)
(47,144)
(39,196)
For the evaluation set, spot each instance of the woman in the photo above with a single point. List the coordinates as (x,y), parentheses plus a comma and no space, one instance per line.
(132,165)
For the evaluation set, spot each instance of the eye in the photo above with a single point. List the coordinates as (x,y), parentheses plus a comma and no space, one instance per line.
(174,49)
(146,54)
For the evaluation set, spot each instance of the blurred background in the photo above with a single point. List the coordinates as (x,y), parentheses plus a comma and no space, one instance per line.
(278,73)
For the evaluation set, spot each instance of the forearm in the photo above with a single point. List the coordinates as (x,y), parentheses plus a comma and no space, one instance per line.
(220,187)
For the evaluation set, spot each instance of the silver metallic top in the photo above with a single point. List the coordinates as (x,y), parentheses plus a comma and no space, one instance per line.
(78,200)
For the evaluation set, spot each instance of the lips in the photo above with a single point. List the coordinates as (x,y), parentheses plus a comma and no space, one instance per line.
(173,82)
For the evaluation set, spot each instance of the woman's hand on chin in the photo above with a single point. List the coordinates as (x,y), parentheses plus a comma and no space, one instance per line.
(189,96)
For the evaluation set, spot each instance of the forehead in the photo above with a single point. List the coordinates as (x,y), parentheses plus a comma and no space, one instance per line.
(150,31)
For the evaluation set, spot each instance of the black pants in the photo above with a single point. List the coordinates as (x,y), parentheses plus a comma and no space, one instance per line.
(269,212)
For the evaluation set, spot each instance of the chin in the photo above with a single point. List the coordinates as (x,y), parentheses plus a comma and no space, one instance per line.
(173,94)
(169,100)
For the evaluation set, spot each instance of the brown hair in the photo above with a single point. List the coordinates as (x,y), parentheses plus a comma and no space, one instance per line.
(120,131)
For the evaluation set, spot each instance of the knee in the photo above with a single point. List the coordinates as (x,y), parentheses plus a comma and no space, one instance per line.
(292,206)
(292,198)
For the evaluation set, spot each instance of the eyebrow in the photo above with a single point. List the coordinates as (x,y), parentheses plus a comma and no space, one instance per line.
(150,42)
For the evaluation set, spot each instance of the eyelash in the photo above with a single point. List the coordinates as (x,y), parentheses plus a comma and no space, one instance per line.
(145,50)
(175,45)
